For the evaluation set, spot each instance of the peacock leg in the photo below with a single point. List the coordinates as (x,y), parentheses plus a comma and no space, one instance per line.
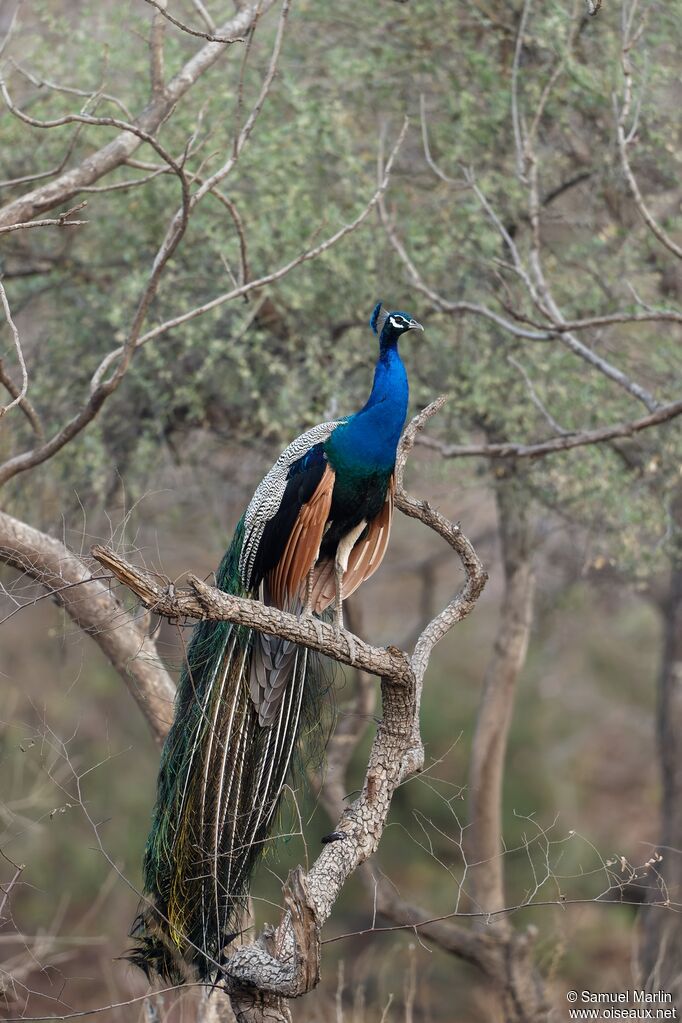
(338,600)
(346,545)
(308,607)
(307,611)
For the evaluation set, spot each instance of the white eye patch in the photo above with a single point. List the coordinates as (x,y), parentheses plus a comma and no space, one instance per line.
(397,322)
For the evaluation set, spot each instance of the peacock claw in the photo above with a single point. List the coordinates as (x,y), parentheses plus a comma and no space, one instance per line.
(334,836)
(317,625)
(351,647)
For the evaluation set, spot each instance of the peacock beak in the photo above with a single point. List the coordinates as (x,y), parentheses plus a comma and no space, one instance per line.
(414,325)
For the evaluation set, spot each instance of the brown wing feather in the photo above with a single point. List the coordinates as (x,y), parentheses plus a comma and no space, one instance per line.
(363,562)
(288,575)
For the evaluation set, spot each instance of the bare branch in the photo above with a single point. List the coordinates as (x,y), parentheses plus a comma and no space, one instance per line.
(532,275)
(7,889)
(540,291)
(427,149)
(26,178)
(120,149)
(651,315)
(212,38)
(519,137)
(270,278)
(626,138)
(89,119)
(245,133)
(479,949)
(23,402)
(205,16)
(445,305)
(102,387)
(535,398)
(120,186)
(156,46)
(60,221)
(10,28)
(90,604)
(463,603)
(90,96)
(663,414)
(206,602)
(20,396)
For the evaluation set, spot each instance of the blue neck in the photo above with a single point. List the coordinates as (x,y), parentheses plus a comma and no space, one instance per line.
(390,381)
(369,439)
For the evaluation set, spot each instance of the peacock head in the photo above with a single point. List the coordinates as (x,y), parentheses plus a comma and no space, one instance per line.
(388,326)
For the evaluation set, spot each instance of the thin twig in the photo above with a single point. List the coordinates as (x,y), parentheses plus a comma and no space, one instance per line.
(20,355)
(625,139)
(261,282)
(210,35)
(61,221)
(120,150)
(7,889)
(24,403)
(535,398)
(90,96)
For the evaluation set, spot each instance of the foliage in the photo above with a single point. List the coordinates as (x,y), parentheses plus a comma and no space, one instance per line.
(251,375)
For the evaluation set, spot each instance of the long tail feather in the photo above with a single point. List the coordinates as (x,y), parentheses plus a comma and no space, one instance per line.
(221,778)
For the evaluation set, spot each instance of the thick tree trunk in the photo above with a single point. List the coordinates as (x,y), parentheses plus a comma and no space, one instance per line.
(489,746)
(518,992)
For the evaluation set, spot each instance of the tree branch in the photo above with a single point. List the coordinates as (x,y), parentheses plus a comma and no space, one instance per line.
(563,443)
(60,221)
(212,37)
(120,149)
(206,602)
(626,138)
(101,388)
(19,395)
(90,604)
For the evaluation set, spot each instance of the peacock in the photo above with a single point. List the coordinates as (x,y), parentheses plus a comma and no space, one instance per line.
(316,528)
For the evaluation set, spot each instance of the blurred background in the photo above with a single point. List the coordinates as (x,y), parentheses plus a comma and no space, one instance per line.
(510,211)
